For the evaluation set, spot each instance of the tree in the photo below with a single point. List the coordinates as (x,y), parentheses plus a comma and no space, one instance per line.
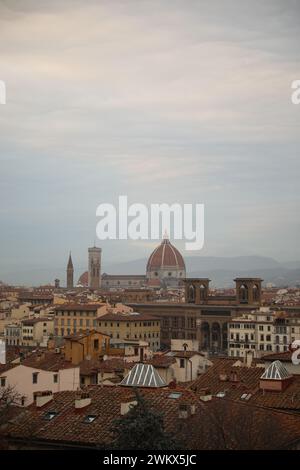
(142,428)
(9,400)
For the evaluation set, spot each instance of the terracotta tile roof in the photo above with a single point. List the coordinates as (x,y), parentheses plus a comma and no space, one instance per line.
(47,360)
(162,360)
(165,255)
(93,366)
(79,307)
(237,382)
(31,321)
(285,356)
(83,334)
(115,364)
(136,317)
(184,354)
(240,426)
(68,426)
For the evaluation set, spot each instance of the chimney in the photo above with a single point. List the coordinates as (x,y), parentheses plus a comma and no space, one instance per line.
(125,407)
(234,377)
(41,398)
(249,358)
(205,394)
(82,399)
(183,411)
(223,377)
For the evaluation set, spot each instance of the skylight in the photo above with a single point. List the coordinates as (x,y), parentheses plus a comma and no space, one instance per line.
(89,419)
(50,415)
(175,395)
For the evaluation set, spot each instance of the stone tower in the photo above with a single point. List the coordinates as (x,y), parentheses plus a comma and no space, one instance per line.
(70,273)
(94,267)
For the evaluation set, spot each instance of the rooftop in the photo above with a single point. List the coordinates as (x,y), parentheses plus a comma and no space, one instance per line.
(143,375)
(128,317)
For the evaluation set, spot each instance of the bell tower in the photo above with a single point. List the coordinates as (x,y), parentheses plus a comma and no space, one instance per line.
(95,267)
(196,290)
(248,290)
(70,273)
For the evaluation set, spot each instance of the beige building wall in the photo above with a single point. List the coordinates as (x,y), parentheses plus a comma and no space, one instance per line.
(21,378)
(146,330)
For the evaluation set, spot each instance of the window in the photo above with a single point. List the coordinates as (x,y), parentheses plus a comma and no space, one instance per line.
(50,415)
(35,377)
(55,378)
(243,293)
(3,381)
(89,419)
(96,344)
(182,363)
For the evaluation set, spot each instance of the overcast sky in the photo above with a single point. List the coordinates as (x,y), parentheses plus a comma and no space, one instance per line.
(164,101)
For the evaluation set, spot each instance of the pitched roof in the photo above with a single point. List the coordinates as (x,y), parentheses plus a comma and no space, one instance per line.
(128,317)
(47,360)
(71,426)
(276,371)
(285,356)
(143,375)
(245,385)
(68,425)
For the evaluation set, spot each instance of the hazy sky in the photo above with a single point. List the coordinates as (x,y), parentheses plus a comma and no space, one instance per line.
(164,101)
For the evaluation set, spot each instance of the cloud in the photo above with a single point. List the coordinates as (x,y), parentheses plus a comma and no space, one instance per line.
(181,103)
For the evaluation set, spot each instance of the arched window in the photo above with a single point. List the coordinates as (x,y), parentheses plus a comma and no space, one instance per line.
(202,292)
(277,340)
(191,293)
(255,293)
(284,340)
(243,293)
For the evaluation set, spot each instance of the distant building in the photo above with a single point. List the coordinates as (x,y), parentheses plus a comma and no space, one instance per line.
(70,273)
(165,268)
(71,318)
(36,331)
(262,331)
(132,325)
(89,345)
(166,265)
(94,267)
(13,334)
(201,315)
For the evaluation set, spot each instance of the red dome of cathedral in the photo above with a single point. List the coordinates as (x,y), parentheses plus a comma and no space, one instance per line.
(84,279)
(165,256)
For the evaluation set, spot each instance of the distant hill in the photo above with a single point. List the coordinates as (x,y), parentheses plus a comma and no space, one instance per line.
(222,270)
